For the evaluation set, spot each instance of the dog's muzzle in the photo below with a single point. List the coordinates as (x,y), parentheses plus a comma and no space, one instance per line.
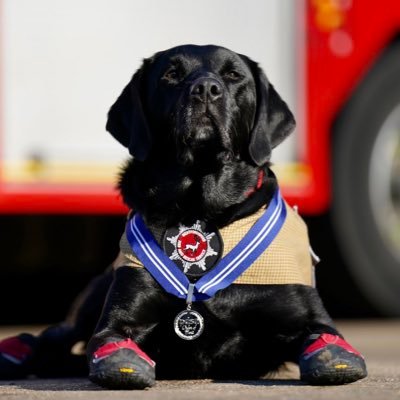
(203,120)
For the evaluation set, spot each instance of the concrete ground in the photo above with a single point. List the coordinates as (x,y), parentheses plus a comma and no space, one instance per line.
(379,341)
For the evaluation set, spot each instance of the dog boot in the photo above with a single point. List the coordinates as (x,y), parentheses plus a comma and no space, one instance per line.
(330,360)
(122,365)
(16,356)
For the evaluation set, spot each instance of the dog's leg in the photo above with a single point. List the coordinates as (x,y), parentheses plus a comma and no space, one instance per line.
(53,356)
(325,357)
(133,308)
(49,354)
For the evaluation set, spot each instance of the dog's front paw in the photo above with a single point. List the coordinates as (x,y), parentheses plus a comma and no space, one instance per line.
(122,365)
(330,360)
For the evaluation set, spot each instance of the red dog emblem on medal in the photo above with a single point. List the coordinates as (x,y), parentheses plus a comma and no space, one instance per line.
(192,245)
(195,249)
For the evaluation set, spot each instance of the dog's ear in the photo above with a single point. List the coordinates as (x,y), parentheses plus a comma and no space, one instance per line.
(127,121)
(273,120)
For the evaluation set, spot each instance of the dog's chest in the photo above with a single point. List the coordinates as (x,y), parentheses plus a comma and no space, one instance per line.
(196,248)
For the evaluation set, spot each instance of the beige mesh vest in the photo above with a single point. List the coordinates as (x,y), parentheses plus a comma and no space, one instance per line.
(286,260)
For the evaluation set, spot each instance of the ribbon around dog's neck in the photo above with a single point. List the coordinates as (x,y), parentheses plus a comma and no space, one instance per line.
(230,267)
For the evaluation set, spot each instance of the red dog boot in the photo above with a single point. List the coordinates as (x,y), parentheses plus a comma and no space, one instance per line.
(330,360)
(122,365)
(16,356)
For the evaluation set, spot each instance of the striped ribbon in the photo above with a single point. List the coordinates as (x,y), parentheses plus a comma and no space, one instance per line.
(230,267)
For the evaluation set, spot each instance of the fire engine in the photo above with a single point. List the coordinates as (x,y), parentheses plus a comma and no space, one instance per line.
(336,62)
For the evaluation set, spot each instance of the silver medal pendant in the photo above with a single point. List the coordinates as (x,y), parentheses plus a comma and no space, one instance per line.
(189,324)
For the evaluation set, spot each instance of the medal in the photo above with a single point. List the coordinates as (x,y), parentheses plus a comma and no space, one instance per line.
(192,251)
(195,249)
(189,324)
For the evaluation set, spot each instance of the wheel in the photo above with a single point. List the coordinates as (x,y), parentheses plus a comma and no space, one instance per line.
(366,184)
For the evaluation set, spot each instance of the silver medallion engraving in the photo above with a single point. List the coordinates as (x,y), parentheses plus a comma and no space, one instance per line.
(189,324)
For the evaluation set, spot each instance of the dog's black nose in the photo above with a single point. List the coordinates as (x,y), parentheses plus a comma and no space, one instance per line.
(206,89)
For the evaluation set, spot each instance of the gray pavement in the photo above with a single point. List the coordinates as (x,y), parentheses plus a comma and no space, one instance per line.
(379,341)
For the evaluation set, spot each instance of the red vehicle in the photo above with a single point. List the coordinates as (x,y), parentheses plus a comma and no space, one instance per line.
(348,158)
(353,137)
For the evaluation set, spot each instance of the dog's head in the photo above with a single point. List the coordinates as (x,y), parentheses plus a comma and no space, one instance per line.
(204,101)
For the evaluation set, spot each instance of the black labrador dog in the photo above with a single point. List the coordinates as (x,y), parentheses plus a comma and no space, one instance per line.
(198,289)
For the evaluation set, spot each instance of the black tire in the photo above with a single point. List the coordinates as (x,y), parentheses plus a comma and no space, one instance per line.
(370,249)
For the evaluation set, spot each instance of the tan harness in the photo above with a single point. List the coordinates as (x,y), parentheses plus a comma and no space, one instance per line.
(288,259)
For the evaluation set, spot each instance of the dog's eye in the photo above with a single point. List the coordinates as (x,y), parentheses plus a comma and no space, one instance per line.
(171,74)
(232,75)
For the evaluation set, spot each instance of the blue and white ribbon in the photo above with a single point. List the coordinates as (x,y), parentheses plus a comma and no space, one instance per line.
(230,267)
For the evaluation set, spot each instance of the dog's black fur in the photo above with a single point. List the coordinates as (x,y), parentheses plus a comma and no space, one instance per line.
(200,122)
